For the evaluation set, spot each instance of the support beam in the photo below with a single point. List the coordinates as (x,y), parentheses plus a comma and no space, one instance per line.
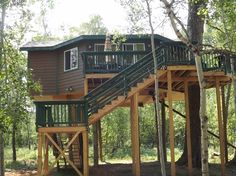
(135,135)
(95,144)
(45,168)
(85,154)
(40,147)
(85,86)
(163,118)
(100,140)
(221,129)
(188,130)
(171,126)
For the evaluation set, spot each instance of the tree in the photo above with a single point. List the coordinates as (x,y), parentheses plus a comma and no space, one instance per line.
(15,81)
(221,21)
(94,26)
(3,8)
(193,37)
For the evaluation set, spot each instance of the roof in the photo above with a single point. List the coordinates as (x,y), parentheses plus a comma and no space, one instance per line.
(54,45)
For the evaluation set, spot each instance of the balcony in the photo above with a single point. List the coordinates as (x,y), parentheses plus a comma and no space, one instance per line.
(175,53)
(61,113)
(110,61)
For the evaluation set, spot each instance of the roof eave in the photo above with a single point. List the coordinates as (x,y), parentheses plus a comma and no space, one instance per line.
(90,37)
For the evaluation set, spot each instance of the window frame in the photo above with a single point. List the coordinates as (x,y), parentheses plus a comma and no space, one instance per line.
(71,60)
(134,46)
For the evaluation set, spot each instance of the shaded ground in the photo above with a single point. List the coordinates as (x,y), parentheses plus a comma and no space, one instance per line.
(147,169)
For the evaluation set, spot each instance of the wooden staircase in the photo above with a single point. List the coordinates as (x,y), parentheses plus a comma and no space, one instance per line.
(120,99)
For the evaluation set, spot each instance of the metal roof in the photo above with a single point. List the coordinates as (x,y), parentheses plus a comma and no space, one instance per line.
(54,45)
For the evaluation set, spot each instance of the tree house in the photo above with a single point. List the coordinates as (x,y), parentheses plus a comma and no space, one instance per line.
(81,83)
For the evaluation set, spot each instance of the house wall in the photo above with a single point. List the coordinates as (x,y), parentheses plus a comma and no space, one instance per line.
(44,69)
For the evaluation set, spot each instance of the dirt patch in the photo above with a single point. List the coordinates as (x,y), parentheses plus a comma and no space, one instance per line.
(147,169)
(21,173)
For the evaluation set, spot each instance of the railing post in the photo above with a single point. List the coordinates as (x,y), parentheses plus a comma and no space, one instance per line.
(125,85)
(85,63)
(85,111)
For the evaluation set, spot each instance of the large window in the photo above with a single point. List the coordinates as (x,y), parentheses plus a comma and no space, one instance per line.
(132,47)
(71,59)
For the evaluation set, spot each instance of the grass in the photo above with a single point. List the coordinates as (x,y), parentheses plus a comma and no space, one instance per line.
(26,159)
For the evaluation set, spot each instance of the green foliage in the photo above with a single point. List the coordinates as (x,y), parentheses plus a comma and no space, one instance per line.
(27,159)
(147,126)
(16,84)
(137,15)
(118,39)
(116,133)
(221,24)
(94,26)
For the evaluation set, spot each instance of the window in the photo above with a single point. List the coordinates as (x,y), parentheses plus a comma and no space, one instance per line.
(71,59)
(133,47)
(98,47)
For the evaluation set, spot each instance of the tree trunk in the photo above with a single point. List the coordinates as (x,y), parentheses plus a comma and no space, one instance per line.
(14,141)
(1,154)
(194,106)
(3,10)
(233,161)
(225,108)
(28,136)
(197,95)
(157,104)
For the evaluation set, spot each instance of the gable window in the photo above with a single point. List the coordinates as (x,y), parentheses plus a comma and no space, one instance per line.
(71,59)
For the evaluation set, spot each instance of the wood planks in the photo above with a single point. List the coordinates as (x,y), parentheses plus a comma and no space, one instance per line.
(134,120)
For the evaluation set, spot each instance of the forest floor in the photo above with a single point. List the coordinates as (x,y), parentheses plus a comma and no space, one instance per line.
(147,169)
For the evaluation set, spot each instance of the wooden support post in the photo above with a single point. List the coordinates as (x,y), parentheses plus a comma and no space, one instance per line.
(163,118)
(85,154)
(85,86)
(95,144)
(188,130)
(171,126)
(39,153)
(221,129)
(135,135)
(46,156)
(99,128)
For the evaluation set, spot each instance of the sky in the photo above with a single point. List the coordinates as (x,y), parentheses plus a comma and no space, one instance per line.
(74,12)
(69,13)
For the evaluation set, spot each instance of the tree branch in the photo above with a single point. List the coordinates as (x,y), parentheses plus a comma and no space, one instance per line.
(174,21)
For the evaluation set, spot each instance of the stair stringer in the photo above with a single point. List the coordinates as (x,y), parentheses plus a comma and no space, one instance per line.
(120,99)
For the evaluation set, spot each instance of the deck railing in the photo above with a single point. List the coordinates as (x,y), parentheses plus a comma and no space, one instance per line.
(61,113)
(218,61)
(176,53)
(110,61)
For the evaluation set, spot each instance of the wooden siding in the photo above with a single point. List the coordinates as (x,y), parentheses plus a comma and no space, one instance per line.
(73,78)
(44,69)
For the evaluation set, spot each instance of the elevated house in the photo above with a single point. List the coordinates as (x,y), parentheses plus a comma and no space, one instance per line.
(81,83)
